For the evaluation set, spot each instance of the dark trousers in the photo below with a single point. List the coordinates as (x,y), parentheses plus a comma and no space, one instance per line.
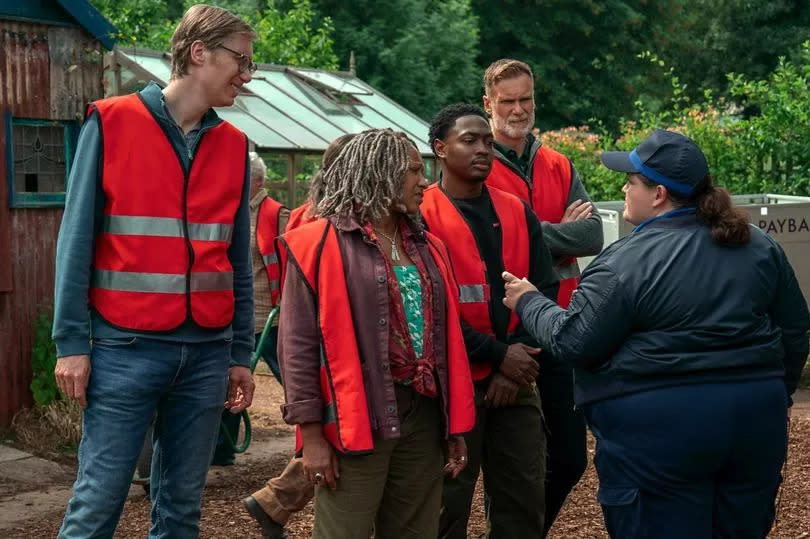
(567,448)
(696,461)
(509,445)
(224,453)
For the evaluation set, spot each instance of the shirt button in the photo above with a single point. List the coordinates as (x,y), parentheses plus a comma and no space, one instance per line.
(382,321)
(393,429)
(381,279)
(385,367)
(391,409)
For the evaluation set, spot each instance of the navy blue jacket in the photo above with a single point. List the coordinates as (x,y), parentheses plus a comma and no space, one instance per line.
(667,306)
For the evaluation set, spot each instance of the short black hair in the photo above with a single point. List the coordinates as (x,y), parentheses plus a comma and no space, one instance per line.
(446,118)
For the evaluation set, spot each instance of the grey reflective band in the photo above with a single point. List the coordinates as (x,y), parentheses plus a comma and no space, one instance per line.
(272,258)
(127,281)
(213,281)
(274,285)
(143,226)
(568,271)
(471,293)
(128,225)
(210,232)
(161,283)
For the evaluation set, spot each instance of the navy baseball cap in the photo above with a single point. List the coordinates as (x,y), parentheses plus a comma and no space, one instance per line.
(666,158)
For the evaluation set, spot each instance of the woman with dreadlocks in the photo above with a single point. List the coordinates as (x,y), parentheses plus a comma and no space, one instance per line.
(376,374)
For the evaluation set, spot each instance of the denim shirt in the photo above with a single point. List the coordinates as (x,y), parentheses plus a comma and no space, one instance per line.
(74,324)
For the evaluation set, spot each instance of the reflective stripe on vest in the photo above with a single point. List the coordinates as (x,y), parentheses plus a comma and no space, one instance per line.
(165,227)
(161,283)
(546,192)
(568,270)
(267,220)
(161,255)
(447,222)
(472,293)
(345,420)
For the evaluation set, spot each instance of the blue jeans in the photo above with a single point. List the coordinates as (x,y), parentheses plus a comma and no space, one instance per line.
(696,460)
(184,386)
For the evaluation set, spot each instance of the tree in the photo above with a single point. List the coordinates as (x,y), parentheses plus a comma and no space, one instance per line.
(421,53)
(289,38)
(584,53)
(285,37)
(738,35)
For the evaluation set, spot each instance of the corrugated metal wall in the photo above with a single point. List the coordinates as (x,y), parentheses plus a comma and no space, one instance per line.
(51,73)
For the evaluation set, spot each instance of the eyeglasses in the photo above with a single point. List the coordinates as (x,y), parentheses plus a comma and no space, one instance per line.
(245,63)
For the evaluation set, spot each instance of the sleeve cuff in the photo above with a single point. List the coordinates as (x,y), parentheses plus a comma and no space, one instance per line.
(298,413)
(524,299)
(241,355)
(72,346)
(498,353)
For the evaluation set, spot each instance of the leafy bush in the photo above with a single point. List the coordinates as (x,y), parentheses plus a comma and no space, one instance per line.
(764,152)
(43,360)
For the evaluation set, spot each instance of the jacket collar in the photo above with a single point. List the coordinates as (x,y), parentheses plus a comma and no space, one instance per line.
(153,97)
(349,223)
(672,219)
(257,199)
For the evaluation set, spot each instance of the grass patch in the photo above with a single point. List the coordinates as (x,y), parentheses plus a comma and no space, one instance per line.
(52,431)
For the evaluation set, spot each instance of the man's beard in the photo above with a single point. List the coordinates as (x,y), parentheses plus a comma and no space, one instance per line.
(513,131)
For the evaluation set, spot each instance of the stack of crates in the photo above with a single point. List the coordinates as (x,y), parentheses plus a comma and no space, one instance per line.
(784,217)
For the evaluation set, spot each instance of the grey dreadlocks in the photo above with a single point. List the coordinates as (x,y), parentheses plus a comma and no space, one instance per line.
(366,176)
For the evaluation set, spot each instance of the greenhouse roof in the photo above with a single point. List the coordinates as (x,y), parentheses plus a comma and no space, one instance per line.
(296,109)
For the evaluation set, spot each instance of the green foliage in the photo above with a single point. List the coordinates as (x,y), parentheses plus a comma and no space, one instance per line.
(43,361)
(140,23)
(421,53)
(284,37)
(736,35)
(289,38)
(766,152)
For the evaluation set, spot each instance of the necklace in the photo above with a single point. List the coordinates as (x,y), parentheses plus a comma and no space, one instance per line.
(393,240)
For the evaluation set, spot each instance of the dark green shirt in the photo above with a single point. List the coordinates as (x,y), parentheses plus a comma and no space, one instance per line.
(523,161)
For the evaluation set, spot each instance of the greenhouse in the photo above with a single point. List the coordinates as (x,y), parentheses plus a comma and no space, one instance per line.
(290,114)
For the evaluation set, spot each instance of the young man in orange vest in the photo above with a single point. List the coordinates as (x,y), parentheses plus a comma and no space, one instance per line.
(268,219)
(155,240)
(549,183)
(486,232)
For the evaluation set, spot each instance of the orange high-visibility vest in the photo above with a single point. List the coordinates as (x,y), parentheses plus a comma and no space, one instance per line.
(300,216)
(315,249)
(547,194)
(267,230)
(161,256)
(445,220)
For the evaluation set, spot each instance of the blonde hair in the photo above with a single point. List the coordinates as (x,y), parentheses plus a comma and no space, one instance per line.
(505,68)
(257,167)
(209,24)
(366,177)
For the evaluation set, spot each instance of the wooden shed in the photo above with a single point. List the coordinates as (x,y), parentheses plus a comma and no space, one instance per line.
(51,61)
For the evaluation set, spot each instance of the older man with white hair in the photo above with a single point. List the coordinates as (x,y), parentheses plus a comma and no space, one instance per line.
(268,219)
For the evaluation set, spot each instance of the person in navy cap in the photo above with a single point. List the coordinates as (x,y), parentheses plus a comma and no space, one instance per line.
(688,337)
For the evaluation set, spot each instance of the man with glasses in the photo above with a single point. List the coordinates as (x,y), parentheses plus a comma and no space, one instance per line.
(153,296)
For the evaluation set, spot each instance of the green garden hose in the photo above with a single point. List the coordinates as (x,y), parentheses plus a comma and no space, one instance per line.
(254,360)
